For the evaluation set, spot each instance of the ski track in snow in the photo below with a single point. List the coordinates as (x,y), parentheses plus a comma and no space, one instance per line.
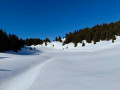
(24,80)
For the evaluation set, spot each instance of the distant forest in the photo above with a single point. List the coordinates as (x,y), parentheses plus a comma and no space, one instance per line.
(103,32)
(10,42)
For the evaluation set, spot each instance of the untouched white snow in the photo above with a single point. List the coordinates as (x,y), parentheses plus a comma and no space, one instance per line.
(93,67)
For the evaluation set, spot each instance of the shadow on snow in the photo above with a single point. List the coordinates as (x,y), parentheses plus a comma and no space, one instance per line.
(5,70)
(25,51)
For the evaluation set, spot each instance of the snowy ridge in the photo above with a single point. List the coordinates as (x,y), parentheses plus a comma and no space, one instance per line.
(88,46)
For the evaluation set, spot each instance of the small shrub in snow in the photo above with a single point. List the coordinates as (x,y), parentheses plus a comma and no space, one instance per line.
(45,43)
(83,44)
(66,47)
(94,42)
(75,44)
(112,41)
(113,38)
(30,48)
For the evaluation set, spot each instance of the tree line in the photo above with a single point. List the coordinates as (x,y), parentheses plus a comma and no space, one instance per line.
(10,42)
(95,34)
(36,41)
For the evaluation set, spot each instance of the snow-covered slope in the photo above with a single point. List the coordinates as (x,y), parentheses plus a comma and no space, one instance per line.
(88,46)
(93,67)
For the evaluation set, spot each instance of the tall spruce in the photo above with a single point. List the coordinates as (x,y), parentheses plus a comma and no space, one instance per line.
(56,39)
(60,40)
(83,44)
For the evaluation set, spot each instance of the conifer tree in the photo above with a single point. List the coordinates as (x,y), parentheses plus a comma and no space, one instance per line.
(45,43)
(10,42)
(56,39)
(59,39)
(83,44)
(75,44)
(47,40)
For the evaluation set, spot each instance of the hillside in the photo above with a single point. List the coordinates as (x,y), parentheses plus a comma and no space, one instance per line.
(63,64)
(52,68)
(88,46)
(103,32)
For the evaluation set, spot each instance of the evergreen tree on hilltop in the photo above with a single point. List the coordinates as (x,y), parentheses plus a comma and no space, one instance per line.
(56,39)
(60,40)
(47,40)
(96,34)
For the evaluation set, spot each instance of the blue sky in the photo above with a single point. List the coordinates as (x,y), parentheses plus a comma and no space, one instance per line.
(51,18)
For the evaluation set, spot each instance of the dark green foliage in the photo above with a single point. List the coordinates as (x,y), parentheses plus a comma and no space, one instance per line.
(94,42)
(47,40)
(75,44)
(99,32)
(83,44)
(45,43)
(33,41)
(112,41)
(60,40)
(56,39)
(10,42)
(113,38)
(30,48)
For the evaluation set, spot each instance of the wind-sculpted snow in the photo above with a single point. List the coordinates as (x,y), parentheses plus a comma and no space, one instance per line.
(52,68)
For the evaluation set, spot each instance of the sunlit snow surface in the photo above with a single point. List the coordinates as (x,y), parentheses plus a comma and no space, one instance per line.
(93,67)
